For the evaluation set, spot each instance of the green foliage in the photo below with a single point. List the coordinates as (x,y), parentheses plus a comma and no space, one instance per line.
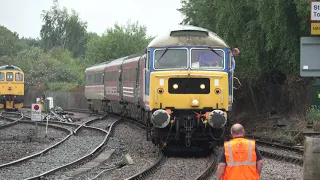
(31,42)
(63,30)
(60,86)
(9,42)
(117,42)
(313,113)
(267,32)
(52,67)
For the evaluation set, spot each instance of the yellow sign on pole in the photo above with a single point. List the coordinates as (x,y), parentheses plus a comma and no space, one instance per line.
(315,28)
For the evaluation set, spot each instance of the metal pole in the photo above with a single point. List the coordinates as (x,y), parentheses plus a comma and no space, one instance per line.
(47,125)
(36,129)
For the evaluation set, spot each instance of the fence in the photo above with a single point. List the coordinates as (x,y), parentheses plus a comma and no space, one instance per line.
(61,99)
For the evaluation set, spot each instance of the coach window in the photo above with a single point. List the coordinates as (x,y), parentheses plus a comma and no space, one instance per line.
(19,77)
(9,76)
(1,76)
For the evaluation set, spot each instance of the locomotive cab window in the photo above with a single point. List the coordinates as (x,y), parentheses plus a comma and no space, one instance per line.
(207,59)
(19,77)
(1,76)
(9,76)
(170,58)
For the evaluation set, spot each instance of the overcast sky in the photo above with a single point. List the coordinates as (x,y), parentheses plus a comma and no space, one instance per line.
(24,16)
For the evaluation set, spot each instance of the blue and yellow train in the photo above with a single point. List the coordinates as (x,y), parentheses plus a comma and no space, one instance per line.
(181,88)
(11,87)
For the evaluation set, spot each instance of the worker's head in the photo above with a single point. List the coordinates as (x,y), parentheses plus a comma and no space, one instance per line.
(237,130)
(235,51)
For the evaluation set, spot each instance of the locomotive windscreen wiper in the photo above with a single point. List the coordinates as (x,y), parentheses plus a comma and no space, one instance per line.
(215,52)
(163,54)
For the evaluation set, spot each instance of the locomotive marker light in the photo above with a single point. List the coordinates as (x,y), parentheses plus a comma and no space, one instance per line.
(217,119)
(160,118)
(202,86)
(195,103)
(175,86)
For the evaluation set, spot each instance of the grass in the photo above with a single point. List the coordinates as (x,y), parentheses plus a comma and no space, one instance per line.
(313,113)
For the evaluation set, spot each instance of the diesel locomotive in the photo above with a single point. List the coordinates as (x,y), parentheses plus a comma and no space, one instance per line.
(181,88)
(11,87)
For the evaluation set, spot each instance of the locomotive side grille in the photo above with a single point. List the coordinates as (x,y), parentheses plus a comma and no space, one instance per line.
(188,85)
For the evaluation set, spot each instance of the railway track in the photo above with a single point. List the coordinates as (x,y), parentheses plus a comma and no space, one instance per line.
(76,133)
(9,118)
(281,152)
(154,171)
(271,150)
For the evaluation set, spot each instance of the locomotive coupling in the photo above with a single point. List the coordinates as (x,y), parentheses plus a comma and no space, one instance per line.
(217,119)
(160,118)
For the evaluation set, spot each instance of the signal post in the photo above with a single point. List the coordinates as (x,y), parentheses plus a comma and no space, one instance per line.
(36,115)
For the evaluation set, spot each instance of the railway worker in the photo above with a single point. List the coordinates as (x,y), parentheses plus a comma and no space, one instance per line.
(240,158)
(235,52)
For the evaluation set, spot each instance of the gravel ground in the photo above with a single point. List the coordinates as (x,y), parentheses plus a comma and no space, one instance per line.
(3,121)
(281,152)
(181,168)
(66,174)
(126,139)
(72,149)
(19,141)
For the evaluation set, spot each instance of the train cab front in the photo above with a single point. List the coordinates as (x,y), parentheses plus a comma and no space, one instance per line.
(189,95)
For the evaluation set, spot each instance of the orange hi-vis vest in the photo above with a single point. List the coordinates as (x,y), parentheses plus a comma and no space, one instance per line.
(241,160)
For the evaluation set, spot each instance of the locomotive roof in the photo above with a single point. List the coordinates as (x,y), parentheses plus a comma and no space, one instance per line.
(7,67)
(186,35)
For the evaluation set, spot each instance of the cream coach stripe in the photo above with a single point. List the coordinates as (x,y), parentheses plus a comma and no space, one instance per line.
(232,163)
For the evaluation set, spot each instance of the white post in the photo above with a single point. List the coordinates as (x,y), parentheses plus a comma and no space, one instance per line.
(47,124)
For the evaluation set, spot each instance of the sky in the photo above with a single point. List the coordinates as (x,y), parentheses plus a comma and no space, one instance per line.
(24,16)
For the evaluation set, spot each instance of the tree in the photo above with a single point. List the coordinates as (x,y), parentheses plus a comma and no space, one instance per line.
(63,30)
(117,42)
(268,35)
(9,42)
(32,41)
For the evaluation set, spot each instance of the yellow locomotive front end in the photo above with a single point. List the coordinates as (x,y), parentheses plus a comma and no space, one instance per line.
(11,87)
(189,88)
(193,90)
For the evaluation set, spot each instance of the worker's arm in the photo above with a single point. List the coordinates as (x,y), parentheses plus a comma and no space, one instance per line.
(259,166)
(220,170)
(221,165)
(259,160)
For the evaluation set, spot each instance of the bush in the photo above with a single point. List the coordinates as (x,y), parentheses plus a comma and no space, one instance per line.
(313,113)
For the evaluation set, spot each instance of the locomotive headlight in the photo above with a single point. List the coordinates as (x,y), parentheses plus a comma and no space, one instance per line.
(175,86)
(202,86)
(195,103)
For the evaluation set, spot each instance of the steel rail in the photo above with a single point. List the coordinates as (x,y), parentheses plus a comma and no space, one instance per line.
(43,151)
(150,170)
(211,169)
(83,158)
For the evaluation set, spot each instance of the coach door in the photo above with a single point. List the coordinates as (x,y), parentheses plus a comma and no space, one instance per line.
(120,85)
